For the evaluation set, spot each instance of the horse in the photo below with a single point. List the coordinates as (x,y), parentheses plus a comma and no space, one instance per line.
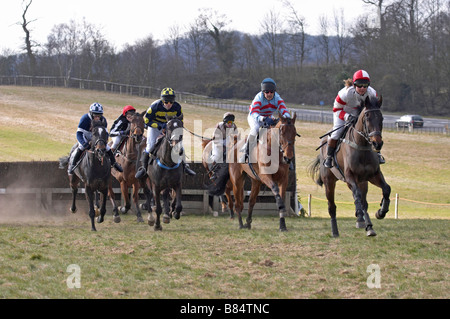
(274,153)
(226,200)
(94,170)
(165,172)
(357,164)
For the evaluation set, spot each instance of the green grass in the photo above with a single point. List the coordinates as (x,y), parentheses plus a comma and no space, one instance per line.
(127,260)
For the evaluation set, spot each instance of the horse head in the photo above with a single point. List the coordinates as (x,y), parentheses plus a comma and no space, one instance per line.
(137,127)
(288,133)
(370,121)
(99,139)
(174,134)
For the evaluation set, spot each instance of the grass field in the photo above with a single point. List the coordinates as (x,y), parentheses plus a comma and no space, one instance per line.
(128,260)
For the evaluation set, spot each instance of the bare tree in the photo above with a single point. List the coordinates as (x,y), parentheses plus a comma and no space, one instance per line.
(324,40)
(297,24)
(343,40)
(272,27)
(215,24)
(28,43)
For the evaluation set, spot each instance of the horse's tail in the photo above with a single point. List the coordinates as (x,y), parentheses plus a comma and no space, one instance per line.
(314,171)
(217,188)
(63,162)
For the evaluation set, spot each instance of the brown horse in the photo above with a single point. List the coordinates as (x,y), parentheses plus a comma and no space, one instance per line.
(357,164)
(274,154)
(127,155)
(227,202)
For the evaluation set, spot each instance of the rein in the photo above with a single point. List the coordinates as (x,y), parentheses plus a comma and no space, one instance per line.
(364,134)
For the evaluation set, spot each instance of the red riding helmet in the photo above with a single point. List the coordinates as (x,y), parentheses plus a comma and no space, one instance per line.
(361,77)
(128,108)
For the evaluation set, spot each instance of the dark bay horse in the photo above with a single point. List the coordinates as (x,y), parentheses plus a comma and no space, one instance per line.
(165,173)
(358,164)
(127,155)
(94,170)
(226,200)
(274,153)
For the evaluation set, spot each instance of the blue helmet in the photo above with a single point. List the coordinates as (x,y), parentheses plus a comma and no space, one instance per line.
(96,108)
(268,84)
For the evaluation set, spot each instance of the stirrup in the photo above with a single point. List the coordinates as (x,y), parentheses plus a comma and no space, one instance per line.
(328,163)
(381,159)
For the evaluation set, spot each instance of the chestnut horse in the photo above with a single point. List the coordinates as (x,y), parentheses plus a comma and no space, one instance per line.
(274,152)
(127,155)
(357,164)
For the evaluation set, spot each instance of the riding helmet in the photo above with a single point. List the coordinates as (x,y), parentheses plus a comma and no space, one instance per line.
(168,94)
(268,84)
(96,108)
(361,77)
(228,117)
(127,109)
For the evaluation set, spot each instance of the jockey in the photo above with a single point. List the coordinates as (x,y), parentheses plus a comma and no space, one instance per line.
(346,108)
(155,120)
(222,138)
(84,136)
(121,126)
(264,105)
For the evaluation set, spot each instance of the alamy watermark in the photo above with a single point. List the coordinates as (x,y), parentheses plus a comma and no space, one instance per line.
(374,279)
(74,279)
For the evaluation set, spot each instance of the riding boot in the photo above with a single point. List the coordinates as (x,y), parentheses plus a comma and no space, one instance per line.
(187,169)
(75,159)
(114,164)
(330,153)
(291,166)
(381,158)
(246,149)
(214,167)
(142,172)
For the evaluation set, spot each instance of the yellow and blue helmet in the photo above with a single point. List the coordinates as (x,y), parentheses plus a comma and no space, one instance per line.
(168,94)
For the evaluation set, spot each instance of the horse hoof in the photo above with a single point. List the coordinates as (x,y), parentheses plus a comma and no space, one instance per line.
(140,219)
(157,228)
(283,229)
(93,229)
(100,219)
(123,210)
(166,219)
(379,214)
(177,216)
(371,233)
(117,219)
(360,224)
(336,235)
(73,211)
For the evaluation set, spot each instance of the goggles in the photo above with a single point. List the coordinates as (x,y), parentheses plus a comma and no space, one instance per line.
(269,91)
(362,85)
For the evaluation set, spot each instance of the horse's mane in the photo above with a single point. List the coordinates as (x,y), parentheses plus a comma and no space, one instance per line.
(101,123)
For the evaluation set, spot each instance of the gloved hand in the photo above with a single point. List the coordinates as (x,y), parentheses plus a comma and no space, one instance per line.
(126,132)
(351,118)
(162,126)
(268,121)
(86,146)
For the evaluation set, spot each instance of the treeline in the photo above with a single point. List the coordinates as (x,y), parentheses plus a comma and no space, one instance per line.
(405,49)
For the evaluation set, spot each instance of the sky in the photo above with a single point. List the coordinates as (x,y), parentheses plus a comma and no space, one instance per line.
(127,21)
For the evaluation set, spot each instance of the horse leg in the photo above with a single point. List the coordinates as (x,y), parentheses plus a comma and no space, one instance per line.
(330,186)
(112,198)
(166,206)
(136,202)
(90,198)
(379,181)
(358,197)
(230,202)
(238,190)
(74,187)
(148,198)
(101,218)
(251,202)
(178,206)
(360,221)
(126,197)
(157,194)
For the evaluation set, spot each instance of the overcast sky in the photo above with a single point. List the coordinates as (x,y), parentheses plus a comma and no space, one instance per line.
(127,21)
